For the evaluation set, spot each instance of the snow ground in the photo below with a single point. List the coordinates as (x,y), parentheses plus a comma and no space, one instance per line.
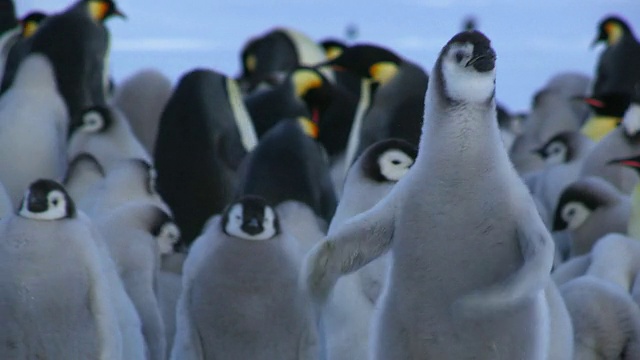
(533,39)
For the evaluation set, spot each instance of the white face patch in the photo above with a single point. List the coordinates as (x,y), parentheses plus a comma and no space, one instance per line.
(575,214)
(556,153)
(167,237)
(465,83)
(235,220)
(92,122)
(56,207)
(631,120)
(394,164)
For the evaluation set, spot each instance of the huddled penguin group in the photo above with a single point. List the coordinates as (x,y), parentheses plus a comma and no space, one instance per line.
(333,201)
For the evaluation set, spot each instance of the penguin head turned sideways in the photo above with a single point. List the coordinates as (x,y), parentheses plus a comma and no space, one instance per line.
(30,23)
(46,200)
(101,10)
(166,233)
(610,30)
(368,61)
(388,160)
(466,69)
(557,150)
(250,218)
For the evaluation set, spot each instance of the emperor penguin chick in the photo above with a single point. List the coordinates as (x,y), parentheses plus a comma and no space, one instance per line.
(471,257)
(240,297)
(55,299)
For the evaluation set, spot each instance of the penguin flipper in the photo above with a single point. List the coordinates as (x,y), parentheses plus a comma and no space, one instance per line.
(359,241)
(537,249)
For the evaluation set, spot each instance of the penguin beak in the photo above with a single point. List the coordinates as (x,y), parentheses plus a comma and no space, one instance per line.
(252,227)
(629,162)
(483,60)
(117,12)
(539,152)
(594,102)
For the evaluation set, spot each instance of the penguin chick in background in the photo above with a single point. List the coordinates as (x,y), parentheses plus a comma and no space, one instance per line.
(141,98)
(617,69)
(563,155)
(127,231)
(347,314)
(241,297)
(205,116)
(589,209)
(50,261)
(104,132)
(443,220)
(32,138)
(84,175)
(606,322)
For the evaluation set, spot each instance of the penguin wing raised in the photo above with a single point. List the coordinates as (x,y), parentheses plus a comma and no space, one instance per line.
(356,243)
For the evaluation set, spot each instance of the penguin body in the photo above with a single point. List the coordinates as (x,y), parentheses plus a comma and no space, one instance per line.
(127,232)
(32,138)
(617,69)
(141,98)
(57,299)
(85,174)
(228,291)
(589,209)
(104,132)
(289,165)
(441,286)
(205,116)
(606,321)
(564,155)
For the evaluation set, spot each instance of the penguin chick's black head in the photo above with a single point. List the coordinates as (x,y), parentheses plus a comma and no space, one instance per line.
(31,22)
(578,201)
(250,218)
(46,200)
(466,66)
(388,160)
(558,150)
(611,29)
(101,10)
(368,61)
(95,119)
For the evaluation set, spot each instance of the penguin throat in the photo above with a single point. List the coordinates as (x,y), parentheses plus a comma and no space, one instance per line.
(467,86)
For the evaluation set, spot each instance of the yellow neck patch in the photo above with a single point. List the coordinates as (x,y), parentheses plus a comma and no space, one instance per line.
(309,127)
(250,63)
(98,10)
(333,52)
(614,32)
(383,71)
(598,127)
(305,80)
(29,28)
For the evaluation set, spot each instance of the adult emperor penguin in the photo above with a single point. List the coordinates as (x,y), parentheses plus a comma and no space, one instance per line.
(206,116)
(228,306)
(56,299)
(608,112)
(268,57)
(396,108)
(617,69)
(289,165)
(15,36)
(588,209)
(633,229)
(104,132)
(470,270)
(32,138)
(77,44)
(127,231)
(141,98)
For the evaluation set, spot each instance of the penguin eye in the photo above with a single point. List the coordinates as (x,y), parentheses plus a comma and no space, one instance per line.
(396,162)
(459,56)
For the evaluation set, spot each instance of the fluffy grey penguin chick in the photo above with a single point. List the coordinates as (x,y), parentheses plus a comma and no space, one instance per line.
(471,256)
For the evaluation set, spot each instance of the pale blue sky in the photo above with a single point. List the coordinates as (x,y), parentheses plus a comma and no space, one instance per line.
(533,39)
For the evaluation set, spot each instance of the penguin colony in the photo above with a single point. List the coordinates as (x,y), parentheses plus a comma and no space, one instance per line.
(333,201)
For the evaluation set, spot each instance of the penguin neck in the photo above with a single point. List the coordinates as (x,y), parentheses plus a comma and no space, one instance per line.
(463,134)
(35,72)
